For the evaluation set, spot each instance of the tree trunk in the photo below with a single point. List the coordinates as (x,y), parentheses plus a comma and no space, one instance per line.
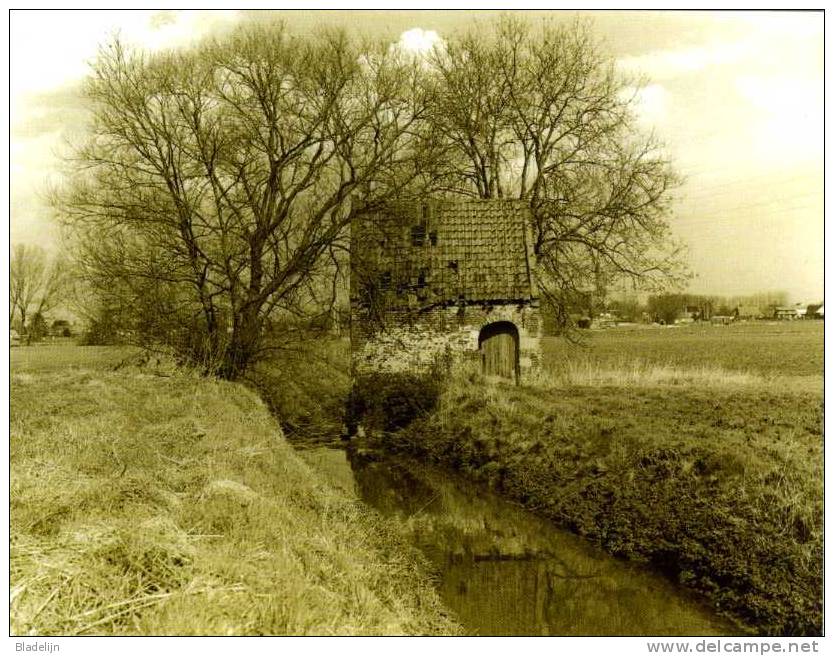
(243,347)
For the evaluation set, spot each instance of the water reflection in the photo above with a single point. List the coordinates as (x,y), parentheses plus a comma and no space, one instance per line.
(504,571)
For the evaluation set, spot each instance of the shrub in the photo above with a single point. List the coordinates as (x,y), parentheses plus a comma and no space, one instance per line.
(100,332)
(305,388)
(386,401)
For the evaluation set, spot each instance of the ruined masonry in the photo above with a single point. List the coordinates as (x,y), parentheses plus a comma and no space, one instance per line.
(441,280)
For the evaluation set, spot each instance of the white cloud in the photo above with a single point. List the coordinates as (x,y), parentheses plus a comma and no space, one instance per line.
(775,26)
(756,39)
(52,48)
(418,41)
(786,117)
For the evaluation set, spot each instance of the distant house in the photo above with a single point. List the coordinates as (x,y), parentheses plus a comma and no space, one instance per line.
(60,328)
(721,320)
(605,320)
(785,313)
(747,312)
(700,312)
(801,310)
(815,311)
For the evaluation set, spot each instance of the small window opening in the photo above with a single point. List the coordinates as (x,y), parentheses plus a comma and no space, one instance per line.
(418,234)
(433,238)
(453,265)
(421,279)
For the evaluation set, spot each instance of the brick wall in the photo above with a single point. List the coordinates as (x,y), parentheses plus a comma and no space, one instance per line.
(413,342)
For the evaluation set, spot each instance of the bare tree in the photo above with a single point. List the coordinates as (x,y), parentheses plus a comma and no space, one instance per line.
(26,270)
(539,113)
(213,196)
(219,182)
(35,282)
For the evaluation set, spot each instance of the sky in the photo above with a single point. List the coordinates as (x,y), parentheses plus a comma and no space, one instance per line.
(737,97)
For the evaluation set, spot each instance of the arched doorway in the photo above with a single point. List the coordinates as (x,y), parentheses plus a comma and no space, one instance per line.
(498,344)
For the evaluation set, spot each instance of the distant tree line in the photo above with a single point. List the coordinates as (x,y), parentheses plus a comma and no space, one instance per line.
(209,207)
(668,307)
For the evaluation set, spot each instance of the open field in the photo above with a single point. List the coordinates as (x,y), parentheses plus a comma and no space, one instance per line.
(306,388)
(156,505)
(43,358)
(788,348)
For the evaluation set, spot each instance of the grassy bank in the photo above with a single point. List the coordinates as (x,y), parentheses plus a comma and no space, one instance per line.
(716,479)
(150,505)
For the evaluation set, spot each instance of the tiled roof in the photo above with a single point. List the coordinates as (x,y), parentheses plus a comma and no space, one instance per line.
(442,251)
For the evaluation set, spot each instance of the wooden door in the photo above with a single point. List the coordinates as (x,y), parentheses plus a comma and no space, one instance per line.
(499,351)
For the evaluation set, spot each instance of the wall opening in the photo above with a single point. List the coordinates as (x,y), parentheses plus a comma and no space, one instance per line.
(498,344)
(418,234)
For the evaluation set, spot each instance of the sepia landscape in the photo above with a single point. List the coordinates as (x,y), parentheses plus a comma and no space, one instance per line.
(444,323)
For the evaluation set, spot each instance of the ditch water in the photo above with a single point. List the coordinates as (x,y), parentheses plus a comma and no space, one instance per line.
(505,571)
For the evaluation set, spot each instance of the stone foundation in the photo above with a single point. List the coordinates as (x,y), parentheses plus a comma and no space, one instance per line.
(415,342)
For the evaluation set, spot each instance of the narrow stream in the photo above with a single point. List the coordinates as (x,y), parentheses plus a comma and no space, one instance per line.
(505,571)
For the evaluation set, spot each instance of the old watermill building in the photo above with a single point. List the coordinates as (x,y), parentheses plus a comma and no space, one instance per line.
(440,280)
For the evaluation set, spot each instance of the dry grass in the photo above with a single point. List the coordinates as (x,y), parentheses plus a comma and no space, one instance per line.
(64,355)
(640,373)
(148,505)
(767,349)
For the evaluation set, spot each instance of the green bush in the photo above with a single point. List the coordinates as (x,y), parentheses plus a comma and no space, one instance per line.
(100,332)
(391,401)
